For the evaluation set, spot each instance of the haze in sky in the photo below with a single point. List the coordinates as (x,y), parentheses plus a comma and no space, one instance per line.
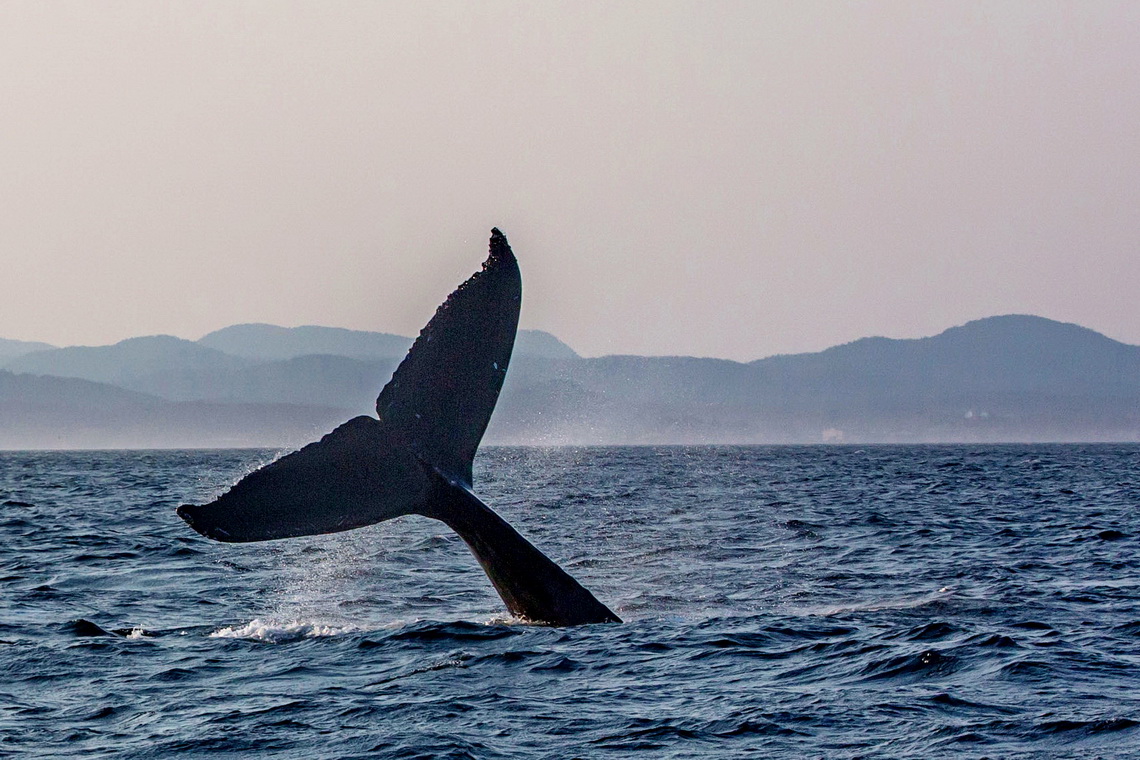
(730,179)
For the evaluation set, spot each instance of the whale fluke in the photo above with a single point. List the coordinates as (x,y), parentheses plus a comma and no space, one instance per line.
(416,456)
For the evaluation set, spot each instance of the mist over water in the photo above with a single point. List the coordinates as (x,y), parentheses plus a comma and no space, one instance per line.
(918,601)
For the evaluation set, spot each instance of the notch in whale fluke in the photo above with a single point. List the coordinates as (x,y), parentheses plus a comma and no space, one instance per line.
(415,457)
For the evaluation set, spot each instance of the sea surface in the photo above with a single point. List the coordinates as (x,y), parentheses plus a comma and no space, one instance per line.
(780,602)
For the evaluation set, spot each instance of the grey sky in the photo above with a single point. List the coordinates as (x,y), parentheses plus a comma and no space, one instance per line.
(719,179)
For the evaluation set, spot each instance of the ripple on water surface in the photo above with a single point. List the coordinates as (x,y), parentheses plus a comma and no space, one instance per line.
(780,602)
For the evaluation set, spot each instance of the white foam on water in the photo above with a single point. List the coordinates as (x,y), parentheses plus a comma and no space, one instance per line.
(276,631)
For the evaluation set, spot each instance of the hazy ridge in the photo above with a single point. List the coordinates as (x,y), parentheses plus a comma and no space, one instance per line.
(1009,378)
(10,349)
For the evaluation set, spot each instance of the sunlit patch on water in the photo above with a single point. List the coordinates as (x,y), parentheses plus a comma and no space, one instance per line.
(875,604)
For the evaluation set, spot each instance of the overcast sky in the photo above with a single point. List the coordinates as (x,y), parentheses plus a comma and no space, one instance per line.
(715,179)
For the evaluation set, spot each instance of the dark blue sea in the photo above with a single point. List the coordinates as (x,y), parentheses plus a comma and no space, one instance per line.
(780,602)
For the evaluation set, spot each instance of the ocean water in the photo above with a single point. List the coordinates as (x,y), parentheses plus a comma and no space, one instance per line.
(780,602)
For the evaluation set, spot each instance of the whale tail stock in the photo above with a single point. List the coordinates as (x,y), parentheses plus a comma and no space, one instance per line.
(416,457)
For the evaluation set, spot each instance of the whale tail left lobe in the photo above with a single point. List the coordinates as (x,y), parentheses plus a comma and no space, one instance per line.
(356,475)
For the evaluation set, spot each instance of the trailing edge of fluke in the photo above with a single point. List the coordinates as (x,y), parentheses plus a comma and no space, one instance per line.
(416,458)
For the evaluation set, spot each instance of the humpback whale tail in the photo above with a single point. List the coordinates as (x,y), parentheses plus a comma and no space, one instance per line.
(416,456)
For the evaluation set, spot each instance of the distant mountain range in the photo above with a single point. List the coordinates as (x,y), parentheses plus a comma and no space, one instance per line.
(10,349)
(1010,378)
